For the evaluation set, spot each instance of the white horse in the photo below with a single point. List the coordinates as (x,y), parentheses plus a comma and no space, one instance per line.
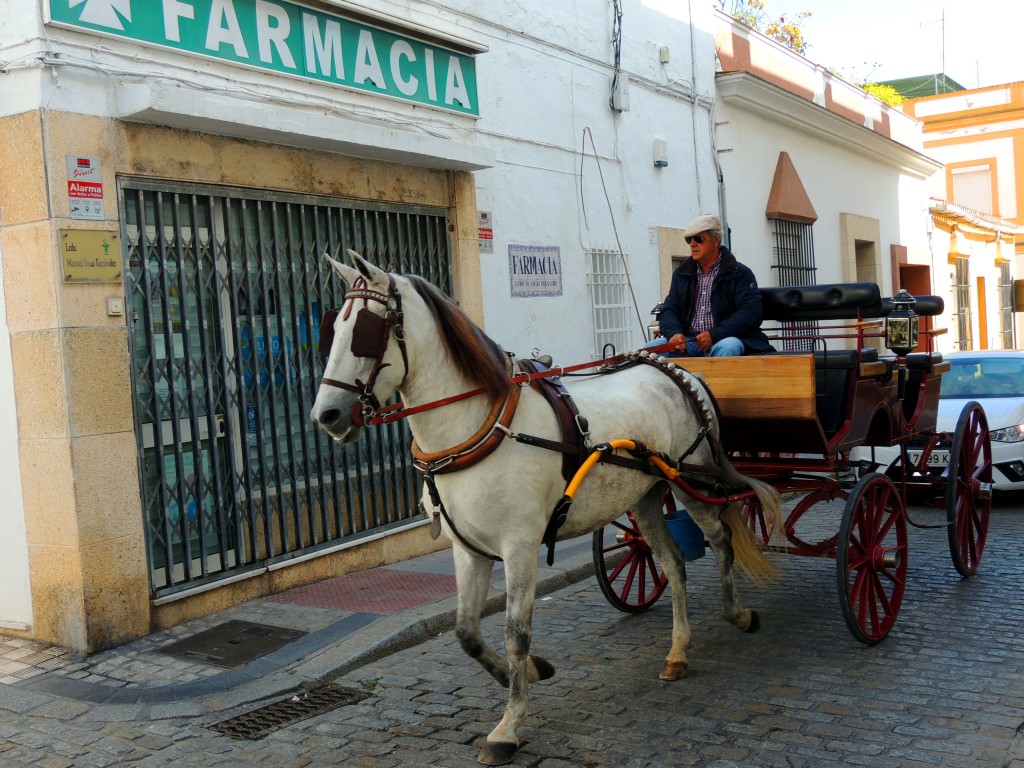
(401,333)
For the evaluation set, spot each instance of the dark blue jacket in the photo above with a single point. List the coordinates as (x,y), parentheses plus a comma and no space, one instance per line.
(735,303)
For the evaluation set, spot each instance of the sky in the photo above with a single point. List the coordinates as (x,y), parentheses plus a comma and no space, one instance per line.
(984,39)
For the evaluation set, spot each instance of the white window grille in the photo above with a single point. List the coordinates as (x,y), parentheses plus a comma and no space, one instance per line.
(609,298)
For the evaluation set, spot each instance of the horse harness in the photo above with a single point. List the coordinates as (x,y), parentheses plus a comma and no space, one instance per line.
(575,445)
(370,337)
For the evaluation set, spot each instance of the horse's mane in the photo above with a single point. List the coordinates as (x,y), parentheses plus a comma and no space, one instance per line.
(477,356)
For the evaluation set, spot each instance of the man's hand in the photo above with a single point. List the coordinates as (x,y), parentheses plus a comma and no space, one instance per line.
(704,341)
(681,341)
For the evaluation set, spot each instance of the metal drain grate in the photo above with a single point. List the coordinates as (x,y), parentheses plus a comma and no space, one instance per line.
(258,723)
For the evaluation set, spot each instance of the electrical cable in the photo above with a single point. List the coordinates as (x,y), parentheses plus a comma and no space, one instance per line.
(616,50)
(618,243)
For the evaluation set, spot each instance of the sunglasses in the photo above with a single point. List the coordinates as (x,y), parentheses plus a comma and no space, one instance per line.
(698,239)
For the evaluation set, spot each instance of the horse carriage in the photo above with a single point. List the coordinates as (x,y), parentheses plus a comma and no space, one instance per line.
(792,419)
(516,455)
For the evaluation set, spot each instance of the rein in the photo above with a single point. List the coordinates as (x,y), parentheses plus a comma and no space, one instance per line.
(397,411)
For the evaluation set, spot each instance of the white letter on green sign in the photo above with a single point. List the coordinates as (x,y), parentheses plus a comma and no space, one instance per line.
(399,50)
(216,33)
(327,49)
(455,90)
(173,10)
(276,33)
(367,63)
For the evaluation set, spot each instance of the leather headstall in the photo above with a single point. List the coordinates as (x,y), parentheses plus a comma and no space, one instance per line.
(370,337)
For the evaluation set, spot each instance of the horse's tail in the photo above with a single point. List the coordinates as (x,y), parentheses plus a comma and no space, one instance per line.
(749,557)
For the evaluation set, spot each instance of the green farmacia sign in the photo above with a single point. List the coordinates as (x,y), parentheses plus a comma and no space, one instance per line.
(288,38)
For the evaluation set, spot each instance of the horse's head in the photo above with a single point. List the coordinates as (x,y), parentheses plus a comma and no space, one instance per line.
(364,342)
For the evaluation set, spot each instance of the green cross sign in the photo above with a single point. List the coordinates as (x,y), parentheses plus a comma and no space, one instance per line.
(287,38)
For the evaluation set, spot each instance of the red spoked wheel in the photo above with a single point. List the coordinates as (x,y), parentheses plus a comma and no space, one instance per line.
(625,567)
(752,514)
(871,558)
(969,489)
(828,501)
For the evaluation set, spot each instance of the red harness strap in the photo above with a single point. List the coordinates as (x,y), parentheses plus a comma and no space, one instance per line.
(397,411)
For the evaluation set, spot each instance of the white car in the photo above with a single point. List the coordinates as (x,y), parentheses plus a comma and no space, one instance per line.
(993,378)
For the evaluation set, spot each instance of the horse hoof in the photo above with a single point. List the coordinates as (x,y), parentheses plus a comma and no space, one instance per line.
(674,670)
(755,623)
(542,668)
(497,753)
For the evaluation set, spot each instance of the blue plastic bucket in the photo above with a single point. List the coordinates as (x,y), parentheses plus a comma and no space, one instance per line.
(687,534)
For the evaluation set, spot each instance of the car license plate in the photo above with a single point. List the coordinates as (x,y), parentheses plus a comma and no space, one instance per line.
(935,458)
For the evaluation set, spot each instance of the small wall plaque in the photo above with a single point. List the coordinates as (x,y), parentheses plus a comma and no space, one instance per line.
(90,255)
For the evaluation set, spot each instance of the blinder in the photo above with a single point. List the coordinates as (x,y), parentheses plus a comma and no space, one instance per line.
(326,340)
(369,334)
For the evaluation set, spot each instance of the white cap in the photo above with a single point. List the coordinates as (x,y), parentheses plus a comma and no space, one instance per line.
(703,223)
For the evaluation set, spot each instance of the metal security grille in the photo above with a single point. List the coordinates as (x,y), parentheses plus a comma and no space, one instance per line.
(225,290)
(1005,306)
(793,262)
(609,295)
(962,291)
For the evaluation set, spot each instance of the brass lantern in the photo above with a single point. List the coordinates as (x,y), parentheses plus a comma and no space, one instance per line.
(902,324)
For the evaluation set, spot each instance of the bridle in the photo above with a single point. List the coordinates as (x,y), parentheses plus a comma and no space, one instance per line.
(370,337)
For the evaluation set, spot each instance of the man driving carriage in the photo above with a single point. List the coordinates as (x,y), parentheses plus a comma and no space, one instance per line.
(713,304)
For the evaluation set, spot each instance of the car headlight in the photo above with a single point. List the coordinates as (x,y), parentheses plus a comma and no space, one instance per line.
(1012,434)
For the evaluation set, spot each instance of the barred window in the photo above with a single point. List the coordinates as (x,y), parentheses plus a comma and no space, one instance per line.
(793,262)
(609,297)
(1005,306)
(962,292)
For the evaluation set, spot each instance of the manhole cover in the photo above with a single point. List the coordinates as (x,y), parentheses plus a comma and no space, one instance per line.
(232,643)
(258,723)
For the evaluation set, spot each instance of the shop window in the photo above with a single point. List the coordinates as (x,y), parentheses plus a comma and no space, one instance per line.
(226,289)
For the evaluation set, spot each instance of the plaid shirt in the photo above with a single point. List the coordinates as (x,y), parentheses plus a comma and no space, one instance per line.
(702,319)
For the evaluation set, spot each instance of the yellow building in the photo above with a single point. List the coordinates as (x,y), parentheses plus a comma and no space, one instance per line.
(977,208)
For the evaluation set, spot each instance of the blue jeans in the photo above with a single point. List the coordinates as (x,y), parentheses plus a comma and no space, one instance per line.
(730,346)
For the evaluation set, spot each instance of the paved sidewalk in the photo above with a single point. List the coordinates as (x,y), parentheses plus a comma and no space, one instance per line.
(346,621)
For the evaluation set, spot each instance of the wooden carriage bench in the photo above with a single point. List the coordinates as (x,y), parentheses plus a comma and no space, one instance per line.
(810,391)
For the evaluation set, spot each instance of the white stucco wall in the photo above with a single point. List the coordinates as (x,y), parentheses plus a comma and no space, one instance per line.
(16,594)
(543,87)
(845,165)
(19,22)
(836,179)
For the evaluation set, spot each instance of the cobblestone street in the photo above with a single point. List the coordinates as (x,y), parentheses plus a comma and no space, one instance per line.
(946,688)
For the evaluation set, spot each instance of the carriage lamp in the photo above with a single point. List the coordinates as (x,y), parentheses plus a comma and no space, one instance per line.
(902,324)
